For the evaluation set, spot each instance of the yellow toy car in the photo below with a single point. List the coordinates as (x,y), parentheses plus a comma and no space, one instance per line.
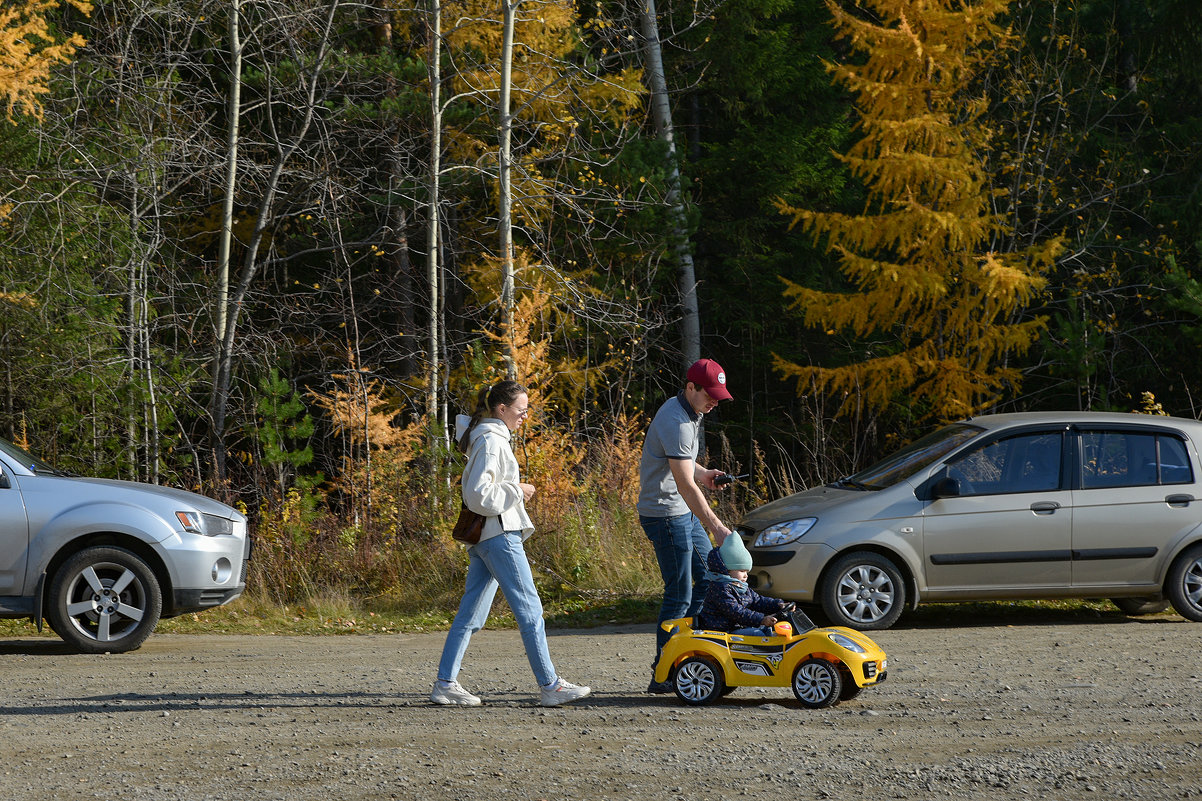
(823,665)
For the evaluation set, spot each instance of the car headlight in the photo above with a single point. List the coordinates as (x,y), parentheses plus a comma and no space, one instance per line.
(782,533)
(205,525)
(844,641)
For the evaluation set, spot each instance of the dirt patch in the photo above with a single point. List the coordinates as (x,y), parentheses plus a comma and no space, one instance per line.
(1066,709)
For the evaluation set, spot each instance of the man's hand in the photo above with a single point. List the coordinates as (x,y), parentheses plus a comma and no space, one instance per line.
(707,476)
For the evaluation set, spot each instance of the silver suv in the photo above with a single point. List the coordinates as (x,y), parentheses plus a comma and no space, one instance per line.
(104,560)
(1035,506)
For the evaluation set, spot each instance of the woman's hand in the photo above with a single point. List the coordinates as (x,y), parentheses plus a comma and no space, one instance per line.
(527,490)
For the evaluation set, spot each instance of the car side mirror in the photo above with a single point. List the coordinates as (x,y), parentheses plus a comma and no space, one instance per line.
(4,482)
(946,487)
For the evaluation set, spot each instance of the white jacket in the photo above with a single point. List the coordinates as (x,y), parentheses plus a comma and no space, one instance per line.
(490,479)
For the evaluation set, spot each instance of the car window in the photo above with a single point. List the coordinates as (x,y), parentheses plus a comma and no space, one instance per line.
(1174,461)
(914,457)
(1022,463)
(1132,459)
(25,459)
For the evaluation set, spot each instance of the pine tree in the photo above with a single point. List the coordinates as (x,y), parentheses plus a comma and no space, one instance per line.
(925,277)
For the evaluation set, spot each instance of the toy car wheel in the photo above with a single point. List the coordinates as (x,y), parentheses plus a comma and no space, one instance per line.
(698,681)
(1184,584)
(850,688)
(104,599)
(817,684)
(1140,606)
(863,590)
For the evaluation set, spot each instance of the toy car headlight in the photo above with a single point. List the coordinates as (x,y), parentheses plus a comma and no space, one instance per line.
(786,532)
(846,642)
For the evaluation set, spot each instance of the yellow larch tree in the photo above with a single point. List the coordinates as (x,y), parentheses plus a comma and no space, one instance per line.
(28,50)
(920,259)
(552,89)
(543,103)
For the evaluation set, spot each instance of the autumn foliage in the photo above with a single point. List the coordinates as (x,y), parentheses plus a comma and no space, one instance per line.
(924,278)
(28,50)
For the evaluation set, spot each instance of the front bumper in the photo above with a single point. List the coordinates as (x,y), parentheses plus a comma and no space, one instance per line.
(790,571)
(197,600)
(206,571)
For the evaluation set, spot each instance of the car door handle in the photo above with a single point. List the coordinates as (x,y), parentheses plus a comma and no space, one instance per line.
(1179,500)
(1045,507)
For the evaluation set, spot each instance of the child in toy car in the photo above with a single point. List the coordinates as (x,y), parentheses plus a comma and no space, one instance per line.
(823,666)
(730,604)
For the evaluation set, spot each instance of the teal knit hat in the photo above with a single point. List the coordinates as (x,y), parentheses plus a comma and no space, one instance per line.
(735,554)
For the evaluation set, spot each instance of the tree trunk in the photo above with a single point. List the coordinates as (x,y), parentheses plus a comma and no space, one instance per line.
(661,115)
(504,166)
(406,281)
(432,246)
(219,399)
(132,328)
(231,169)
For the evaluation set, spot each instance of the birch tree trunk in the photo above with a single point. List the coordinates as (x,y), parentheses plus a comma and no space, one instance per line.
(231,169)
(661,115)
(132,332)
(432,245)
(219,399)
(505,178)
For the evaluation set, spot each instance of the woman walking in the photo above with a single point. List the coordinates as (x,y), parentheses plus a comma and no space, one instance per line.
(492,487)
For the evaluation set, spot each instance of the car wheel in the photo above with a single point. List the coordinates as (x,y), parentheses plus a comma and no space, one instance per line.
(863,591)
(698,680)
(104,600)
(1140,606)
(817,684)
(1184,584)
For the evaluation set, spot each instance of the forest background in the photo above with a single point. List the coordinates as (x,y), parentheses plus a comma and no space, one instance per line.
(267,249)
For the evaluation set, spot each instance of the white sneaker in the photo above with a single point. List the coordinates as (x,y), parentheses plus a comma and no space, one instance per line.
(562,692)
(452,693)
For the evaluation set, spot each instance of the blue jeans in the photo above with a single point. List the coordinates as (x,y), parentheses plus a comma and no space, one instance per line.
(681,546)
(755,631)
(499,561)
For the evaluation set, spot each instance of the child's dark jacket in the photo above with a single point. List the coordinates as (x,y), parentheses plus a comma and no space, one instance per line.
(729,603)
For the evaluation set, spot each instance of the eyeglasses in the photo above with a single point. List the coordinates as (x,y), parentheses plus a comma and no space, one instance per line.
(521,412)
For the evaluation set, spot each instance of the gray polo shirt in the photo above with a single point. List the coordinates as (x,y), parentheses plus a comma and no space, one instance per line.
(673,434)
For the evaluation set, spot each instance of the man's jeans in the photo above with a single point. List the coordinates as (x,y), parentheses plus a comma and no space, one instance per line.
(681,546)
(502,561)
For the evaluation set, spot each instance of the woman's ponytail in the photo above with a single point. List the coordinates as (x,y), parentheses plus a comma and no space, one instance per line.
(477,416)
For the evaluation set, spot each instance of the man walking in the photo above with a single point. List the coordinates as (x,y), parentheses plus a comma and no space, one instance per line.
(673,511)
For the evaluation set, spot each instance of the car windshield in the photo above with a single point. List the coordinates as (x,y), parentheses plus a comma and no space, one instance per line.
(913,458)
(21,457)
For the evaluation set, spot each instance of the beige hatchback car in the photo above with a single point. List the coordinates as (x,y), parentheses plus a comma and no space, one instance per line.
(997,507)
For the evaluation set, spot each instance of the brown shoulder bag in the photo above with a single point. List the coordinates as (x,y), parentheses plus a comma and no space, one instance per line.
(468,526)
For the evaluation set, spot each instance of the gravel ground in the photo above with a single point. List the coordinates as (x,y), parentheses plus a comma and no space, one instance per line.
(1053,707)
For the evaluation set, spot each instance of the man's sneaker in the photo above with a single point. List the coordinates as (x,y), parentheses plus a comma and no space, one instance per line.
(562,692)
(660,687)
(452,693)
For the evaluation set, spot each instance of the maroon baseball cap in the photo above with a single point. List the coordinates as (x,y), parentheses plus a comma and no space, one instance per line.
(709,375)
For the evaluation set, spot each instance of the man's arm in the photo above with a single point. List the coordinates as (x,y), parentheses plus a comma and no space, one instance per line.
(687,474)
